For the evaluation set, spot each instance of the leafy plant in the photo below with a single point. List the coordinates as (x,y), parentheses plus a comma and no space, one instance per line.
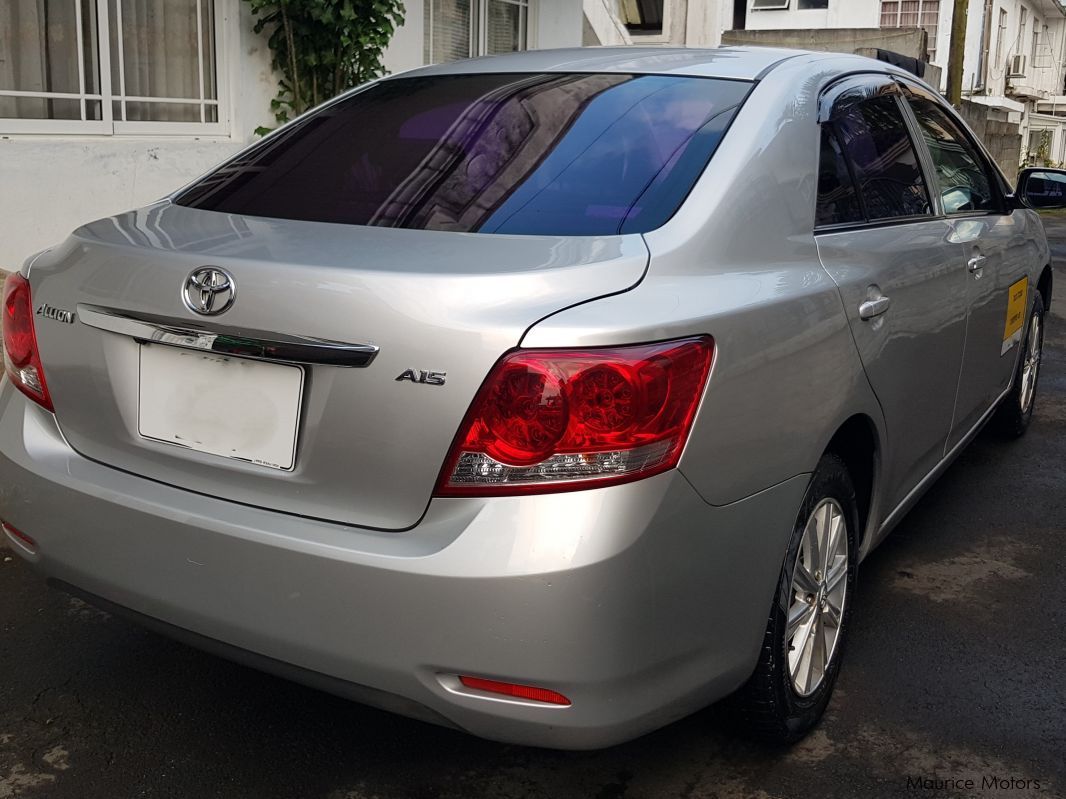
(322,47)
(1043,149)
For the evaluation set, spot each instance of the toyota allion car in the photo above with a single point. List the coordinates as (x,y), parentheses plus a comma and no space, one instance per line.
(550,397)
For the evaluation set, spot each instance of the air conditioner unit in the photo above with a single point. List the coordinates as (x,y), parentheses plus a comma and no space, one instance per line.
(1017,67)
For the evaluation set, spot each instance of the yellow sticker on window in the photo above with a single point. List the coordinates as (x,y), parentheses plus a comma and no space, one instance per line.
(1016,302)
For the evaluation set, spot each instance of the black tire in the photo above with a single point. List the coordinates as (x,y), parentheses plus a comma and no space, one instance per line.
(1013,416)
(768,706)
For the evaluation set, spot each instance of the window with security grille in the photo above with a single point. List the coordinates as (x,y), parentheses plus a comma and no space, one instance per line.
(110,66)
(913,14)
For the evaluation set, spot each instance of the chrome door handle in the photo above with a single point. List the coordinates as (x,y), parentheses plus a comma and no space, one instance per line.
(872,308)
(976,264)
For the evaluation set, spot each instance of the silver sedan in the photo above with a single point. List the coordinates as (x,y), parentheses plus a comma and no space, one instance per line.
(551,396)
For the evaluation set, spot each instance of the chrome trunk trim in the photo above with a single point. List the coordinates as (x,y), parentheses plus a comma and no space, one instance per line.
(229,340)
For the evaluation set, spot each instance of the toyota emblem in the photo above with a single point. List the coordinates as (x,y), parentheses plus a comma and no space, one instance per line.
(209,291)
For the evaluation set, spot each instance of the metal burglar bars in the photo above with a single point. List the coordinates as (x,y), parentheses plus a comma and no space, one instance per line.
(913,14)
(112,67)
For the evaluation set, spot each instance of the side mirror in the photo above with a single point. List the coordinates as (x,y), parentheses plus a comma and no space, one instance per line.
(1043,188)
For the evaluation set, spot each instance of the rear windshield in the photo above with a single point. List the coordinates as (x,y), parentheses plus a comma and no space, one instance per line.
(557,154)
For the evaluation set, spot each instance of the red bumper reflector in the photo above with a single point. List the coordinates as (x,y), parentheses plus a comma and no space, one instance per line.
(517,691)
(20,537)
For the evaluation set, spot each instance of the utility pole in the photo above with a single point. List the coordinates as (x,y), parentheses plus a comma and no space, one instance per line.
(957,51)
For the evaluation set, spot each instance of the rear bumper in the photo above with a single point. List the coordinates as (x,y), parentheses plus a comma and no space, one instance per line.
(640,602)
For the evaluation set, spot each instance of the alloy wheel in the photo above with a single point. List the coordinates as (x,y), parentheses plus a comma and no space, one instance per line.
(818,593)
(1031,364)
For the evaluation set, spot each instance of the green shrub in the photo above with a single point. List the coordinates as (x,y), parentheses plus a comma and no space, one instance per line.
(322,47)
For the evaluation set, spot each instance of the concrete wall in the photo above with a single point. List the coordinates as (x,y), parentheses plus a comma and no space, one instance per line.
(1002,138)
(705,21)
(906,41)
(53,184)
(911,42)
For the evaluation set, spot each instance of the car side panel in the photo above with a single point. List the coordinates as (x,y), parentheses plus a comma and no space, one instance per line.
(1014,248)
(913,351)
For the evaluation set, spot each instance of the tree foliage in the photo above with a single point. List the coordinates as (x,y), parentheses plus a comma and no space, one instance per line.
(322,47)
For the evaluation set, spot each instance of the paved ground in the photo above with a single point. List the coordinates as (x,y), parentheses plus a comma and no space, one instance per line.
(955,670)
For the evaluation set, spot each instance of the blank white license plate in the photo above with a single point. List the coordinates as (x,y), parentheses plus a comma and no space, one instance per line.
(233,407)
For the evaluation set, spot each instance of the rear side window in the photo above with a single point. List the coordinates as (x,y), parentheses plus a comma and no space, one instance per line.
(873,138)
(557,154)
(838,201)
(964,181)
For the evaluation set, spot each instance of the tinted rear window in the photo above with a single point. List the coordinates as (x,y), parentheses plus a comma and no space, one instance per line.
(875,141)
(555,154)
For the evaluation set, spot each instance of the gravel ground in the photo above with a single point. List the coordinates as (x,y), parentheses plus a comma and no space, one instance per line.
(954,672)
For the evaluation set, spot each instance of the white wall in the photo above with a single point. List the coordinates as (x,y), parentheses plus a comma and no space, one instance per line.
(556,23)
(706,19)
(840,14)
(53,184)
(1044,74)
(405,50)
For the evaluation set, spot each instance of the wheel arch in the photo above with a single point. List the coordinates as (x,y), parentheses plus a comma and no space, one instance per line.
(1044,286)
(857,442)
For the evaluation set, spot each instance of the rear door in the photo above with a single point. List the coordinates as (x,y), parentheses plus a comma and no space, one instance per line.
(995,255)
(897,265)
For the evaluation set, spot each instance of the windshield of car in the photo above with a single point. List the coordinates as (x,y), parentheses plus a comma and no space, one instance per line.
(555,154)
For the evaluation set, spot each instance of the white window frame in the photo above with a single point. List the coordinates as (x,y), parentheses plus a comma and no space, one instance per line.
(483,23)
(479,25)
(769,5)
(108,125)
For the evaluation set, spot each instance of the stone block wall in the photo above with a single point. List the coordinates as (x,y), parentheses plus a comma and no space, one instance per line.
(1003,139)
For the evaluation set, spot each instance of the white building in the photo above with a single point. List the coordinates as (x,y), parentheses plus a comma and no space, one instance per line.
(1015,51)
(109,104)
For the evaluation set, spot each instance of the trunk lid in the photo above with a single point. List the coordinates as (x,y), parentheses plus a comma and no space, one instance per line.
(369,446)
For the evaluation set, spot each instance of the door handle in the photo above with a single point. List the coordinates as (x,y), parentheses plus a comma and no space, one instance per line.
(976,264)
(874,307)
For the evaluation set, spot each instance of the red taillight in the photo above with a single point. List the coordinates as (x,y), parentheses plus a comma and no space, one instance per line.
(560,420)
(517,691)
(21,359)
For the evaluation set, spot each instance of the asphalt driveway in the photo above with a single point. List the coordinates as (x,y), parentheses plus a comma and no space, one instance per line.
(955,671)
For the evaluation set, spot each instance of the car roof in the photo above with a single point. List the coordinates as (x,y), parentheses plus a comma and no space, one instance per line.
(739,63)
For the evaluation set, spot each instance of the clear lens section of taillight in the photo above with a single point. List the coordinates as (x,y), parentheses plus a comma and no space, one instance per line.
(21,358)
(560,420)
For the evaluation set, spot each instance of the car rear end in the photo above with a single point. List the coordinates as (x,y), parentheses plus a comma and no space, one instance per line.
(288,411)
